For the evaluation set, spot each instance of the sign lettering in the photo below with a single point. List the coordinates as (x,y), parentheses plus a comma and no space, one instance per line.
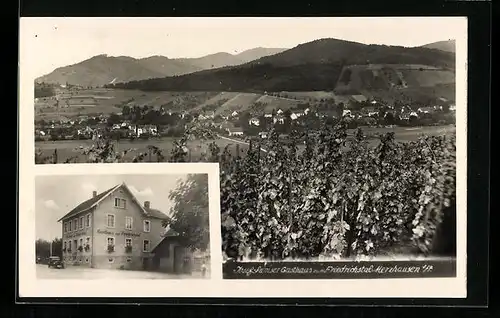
(79,233)
(122,233)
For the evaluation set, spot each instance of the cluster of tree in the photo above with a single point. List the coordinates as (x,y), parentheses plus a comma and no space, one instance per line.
(252,78)
(189,215)
(43,248)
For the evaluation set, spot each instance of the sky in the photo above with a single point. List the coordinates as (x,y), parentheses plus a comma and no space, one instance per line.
(57,195)
(56,42)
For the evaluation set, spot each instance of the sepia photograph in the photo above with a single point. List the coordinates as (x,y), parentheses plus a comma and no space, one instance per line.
(123,226)
(340,145)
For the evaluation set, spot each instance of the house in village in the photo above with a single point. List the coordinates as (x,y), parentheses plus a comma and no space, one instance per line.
(405,115)
(426,110)
(356,114)
(87,131)
(254,121)
(453,108)
(234,114)
(263,134)
(111,230)
(329,113)
(279,111)
(390,113)
(370,111)
(296,115)
(346,112)
(147,129)
(279,119)
(235,131)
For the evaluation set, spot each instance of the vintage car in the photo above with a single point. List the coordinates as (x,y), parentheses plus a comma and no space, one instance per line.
(55,262)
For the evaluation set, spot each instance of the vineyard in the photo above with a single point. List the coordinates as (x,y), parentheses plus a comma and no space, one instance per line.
(340,198)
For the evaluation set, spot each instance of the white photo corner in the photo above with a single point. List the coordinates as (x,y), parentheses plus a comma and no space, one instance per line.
(236,158)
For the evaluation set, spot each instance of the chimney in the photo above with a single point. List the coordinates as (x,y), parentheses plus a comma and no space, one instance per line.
(147,204)
(94,194)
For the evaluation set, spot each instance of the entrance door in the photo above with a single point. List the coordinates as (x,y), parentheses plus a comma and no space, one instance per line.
(178,260)
(145,263)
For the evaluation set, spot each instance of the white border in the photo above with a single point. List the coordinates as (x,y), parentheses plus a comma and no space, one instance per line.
(30,286)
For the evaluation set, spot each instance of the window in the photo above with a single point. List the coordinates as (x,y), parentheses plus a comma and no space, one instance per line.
(87,240)
(69,246)
(110,220)
(129,260)
(145,246)
(120,203)
(64,245)
(75,224)
(111,260)
(128,242)
(87,220)
(80,223)
(81,242)
(86,260)
(128,222)
(147,226)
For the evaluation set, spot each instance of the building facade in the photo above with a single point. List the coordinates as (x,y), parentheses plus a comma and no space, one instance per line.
(172,255)
(112,230)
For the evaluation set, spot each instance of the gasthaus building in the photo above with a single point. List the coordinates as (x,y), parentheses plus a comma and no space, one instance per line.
(112,230)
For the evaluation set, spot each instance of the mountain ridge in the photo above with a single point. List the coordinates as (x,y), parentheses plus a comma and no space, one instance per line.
(101,69)
(447,45)
(316,66)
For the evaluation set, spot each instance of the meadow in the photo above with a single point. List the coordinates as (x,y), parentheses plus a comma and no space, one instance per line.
(73,149)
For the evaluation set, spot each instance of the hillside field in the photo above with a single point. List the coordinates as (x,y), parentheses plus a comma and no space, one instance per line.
(112,100)
(391,77)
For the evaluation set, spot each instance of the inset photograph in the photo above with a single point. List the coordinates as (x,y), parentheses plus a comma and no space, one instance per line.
(122,226)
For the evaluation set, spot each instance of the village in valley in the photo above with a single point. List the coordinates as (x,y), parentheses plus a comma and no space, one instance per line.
(75,119)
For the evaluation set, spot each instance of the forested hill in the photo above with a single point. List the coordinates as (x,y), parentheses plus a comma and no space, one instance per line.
(311,66)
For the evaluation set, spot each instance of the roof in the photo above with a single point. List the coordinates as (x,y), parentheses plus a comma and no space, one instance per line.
(156,213)
(236,129)
(170,235)
(370,109)
(88,204)
(426,108)
(171,232)
(359,98)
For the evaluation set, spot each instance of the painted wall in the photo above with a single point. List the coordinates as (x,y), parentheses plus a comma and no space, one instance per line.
(120,257)
(97,256)
(75,256)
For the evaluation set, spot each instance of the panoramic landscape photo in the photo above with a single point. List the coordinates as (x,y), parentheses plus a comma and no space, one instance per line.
(333,142)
